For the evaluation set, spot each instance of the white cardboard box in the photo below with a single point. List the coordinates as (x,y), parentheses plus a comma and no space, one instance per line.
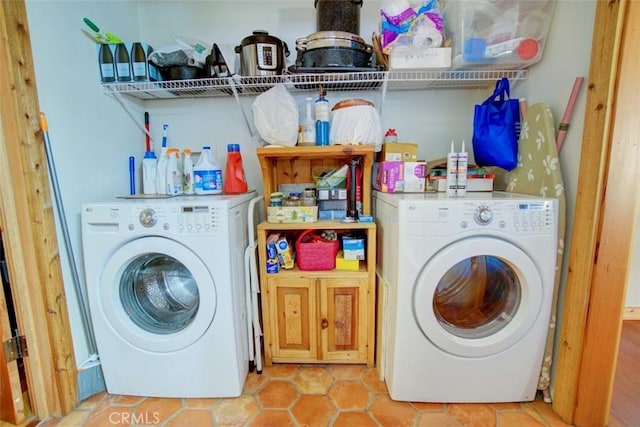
(403,57)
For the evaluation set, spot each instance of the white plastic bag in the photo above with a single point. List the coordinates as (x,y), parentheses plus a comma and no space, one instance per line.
(275,113)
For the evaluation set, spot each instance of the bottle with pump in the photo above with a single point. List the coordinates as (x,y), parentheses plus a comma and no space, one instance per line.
(307,134)
(138,62)
(149,167)
(461,172)
(107,66)
(235,181)
(187,173)
(207,175)
(174,175)
(123,66)
(452,172)
(161,172)
(322,119)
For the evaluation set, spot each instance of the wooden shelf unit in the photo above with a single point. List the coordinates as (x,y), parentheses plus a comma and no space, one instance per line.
(317,316)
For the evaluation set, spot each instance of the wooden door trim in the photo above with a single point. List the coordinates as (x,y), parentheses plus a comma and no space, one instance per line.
(606,195)
(30,234)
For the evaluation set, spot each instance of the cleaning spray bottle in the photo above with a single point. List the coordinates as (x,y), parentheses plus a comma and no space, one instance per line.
(161,172)
(452,171)
(187,172)
(461,172)
(174,175)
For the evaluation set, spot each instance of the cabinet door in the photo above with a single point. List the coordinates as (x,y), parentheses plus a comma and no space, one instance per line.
(293,314)
(343,319)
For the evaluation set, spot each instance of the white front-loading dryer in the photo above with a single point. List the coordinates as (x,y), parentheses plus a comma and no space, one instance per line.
(165,284)
(468,285)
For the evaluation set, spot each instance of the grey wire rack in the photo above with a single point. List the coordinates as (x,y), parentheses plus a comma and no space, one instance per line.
(393,80)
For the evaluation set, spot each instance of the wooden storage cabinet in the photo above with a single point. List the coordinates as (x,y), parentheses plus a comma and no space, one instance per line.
(323,316)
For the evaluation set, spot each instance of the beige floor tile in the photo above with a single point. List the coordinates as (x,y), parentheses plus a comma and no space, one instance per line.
(313,380)
(350,395)
(236,411)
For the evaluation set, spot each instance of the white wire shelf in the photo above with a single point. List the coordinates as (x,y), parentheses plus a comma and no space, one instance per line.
(393,80)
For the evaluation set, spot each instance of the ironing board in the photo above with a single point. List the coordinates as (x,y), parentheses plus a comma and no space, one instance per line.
(538,173)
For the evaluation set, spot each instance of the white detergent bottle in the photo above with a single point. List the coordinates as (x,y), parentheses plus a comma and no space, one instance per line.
(149,166)
(187,173)
(161,172)
(207,175)
(174,175)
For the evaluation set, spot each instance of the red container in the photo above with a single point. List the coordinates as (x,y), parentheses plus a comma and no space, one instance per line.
(235,181)
(315,253)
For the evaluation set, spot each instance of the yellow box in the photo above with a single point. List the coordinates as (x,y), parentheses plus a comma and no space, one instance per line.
(292,214)
(346,264)
(398,152)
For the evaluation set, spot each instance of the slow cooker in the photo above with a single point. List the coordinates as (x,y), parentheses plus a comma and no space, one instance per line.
(262,55)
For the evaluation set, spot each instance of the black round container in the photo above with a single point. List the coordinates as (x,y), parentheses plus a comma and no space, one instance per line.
(342,57)
(338,15)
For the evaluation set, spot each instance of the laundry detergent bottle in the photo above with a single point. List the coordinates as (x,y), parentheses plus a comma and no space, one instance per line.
(187,172)
(235,181)
(207,175)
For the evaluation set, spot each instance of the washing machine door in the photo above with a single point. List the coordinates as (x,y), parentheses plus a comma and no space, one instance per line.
(478,296)
(157,294)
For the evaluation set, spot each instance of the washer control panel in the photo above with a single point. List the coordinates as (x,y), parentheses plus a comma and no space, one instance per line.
(179,219)
(514,216)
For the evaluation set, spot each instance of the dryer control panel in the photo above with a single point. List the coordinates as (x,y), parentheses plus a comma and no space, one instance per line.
(512,216)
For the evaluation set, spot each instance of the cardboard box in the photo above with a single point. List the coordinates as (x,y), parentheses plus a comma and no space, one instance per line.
(473,184)
(398,152)
(335,194)
(395,177)
(332,215)
(346,264)
(292,214)
(406,57)
(353,247)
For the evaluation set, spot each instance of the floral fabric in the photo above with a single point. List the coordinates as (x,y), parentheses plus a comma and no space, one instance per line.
(538,173)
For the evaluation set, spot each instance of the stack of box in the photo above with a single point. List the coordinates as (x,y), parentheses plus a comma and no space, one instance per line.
(397,169)
(331,194)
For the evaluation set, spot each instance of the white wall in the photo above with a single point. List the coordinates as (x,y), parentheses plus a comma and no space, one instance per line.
(92,136)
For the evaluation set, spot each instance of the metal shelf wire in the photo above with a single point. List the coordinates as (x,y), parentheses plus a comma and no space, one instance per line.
(394,80)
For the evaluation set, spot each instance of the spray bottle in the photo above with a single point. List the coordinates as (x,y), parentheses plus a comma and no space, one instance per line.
(187,172)
(174,175)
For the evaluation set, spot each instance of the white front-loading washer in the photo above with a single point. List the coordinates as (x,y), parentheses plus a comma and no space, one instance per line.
(468,285)
(165,284)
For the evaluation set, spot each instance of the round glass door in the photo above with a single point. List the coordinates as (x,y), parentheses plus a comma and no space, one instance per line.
(477,296)
(157,294)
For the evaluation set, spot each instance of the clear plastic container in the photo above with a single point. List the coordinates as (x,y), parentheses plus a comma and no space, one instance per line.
(497,34)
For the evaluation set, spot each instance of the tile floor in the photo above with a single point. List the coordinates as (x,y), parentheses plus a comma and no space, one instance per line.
(304,395)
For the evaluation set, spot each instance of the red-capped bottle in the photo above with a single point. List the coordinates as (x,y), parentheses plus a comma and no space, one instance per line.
(235,181)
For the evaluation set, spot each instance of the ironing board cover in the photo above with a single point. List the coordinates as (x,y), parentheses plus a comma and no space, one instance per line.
(538,173)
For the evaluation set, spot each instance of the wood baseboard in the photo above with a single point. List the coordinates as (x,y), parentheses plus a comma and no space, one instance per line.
(631,313)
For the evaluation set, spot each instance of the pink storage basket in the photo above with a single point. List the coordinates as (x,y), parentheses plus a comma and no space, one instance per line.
(315,253)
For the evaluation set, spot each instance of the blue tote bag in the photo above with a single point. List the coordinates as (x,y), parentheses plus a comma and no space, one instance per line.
(496,126)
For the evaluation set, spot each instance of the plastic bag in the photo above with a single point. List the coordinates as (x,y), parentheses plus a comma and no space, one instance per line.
(185,51)
(275,114)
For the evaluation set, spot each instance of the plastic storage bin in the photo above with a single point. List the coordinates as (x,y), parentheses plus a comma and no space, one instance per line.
(502,34)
